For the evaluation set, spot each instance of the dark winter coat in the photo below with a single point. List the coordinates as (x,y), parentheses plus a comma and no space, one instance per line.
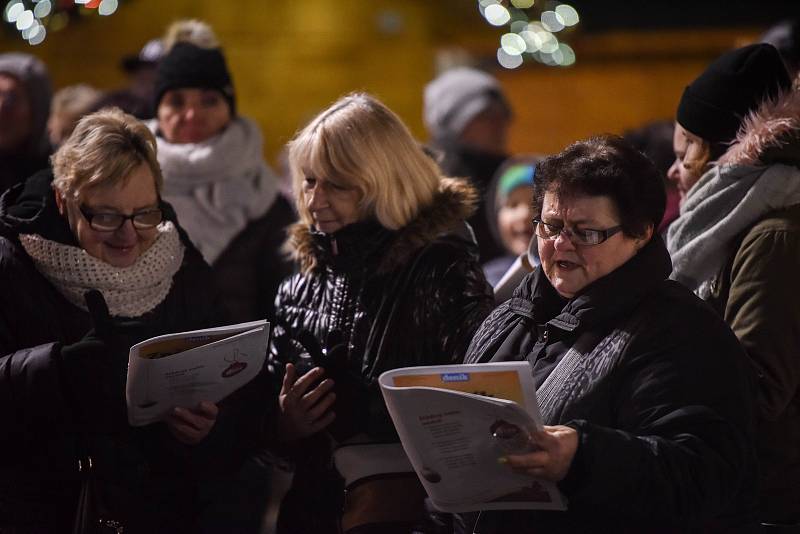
(661,395)
(252,266)
(148,477)
(757,292)
(479,168)
(395,298)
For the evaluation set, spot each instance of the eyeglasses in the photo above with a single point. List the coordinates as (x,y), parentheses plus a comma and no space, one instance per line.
(109,222)
(578,236)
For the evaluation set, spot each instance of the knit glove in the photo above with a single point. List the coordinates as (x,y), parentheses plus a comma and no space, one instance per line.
(95,368)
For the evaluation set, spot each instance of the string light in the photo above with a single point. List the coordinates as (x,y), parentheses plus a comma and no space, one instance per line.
(33,18)
(529,37)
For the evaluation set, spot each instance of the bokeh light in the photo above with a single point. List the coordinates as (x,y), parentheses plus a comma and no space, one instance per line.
(496,15)
(522,4)
(25,20)
(30,31)
(13,10)
(38,37)
(42,9)
(483,4)
(518,26)
(107,7)
(508,61)
(568,55)
(532,40)
(552,21)
(549,43)
(513,44)
(569,16)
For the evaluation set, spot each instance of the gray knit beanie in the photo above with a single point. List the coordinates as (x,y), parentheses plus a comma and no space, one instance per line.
(456,97)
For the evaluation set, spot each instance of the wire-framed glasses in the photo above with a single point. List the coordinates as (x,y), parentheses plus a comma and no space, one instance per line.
(578,236)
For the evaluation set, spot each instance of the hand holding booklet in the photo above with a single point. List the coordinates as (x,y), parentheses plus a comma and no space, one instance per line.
(185,368)
(455,421)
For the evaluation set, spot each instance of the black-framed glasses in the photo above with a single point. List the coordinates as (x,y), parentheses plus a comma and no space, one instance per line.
(578,236)
(109,222)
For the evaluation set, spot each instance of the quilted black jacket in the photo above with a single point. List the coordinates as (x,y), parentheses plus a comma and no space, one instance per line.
(394,298)
(662,397)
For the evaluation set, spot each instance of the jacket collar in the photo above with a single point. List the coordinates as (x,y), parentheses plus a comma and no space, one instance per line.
(30,208)
(770,134)
(605,299)
(354,245)
(452,204)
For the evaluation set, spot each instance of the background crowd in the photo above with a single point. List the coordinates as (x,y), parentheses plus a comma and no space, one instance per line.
(649,279)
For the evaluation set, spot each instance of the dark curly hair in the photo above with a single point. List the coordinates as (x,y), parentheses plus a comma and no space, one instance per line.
(606,165)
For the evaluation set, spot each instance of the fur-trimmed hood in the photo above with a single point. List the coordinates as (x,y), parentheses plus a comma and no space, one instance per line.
(455,201)
(769,134)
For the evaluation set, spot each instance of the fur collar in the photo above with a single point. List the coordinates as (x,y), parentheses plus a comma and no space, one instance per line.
(452,204)
(769,133)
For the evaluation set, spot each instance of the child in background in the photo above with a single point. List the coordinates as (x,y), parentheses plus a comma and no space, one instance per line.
(510,203)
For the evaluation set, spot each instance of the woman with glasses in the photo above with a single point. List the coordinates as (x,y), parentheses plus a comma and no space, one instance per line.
(97,222)
(645,392)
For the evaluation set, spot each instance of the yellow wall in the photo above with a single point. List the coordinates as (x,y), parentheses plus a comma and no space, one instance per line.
(621,81)
(290,59)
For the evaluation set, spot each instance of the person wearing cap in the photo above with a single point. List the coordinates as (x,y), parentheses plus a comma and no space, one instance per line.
(468,116)
(137,97)
(737,240)
(215,175)
(510,205)
(25,94)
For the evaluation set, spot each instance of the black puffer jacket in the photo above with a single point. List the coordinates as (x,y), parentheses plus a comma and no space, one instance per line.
(661,396)
(394,299)
(150,480)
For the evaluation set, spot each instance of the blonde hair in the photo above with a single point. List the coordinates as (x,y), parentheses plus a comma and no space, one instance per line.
(104,149)
(363,143)
(75,100)
(191,31)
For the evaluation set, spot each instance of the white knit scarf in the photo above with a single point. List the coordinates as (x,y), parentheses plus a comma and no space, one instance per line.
(128,291)
(218,186)
(724,203)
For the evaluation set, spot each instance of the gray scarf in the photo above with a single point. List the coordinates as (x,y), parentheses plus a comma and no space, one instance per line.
(726,201)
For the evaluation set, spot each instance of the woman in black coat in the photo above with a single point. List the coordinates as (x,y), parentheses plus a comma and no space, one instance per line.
(648,393)
(97,223)
(389,278)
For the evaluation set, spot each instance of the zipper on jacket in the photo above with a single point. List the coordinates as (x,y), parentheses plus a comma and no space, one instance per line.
(544,334)
(334,246)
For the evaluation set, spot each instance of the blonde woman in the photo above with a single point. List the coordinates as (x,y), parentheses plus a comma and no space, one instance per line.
(389,277)
(97,223)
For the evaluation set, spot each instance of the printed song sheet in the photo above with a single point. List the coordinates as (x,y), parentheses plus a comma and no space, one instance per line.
(185,368)
(455,422)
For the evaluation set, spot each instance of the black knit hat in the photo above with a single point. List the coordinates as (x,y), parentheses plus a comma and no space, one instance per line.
(715,104)
(190,66)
